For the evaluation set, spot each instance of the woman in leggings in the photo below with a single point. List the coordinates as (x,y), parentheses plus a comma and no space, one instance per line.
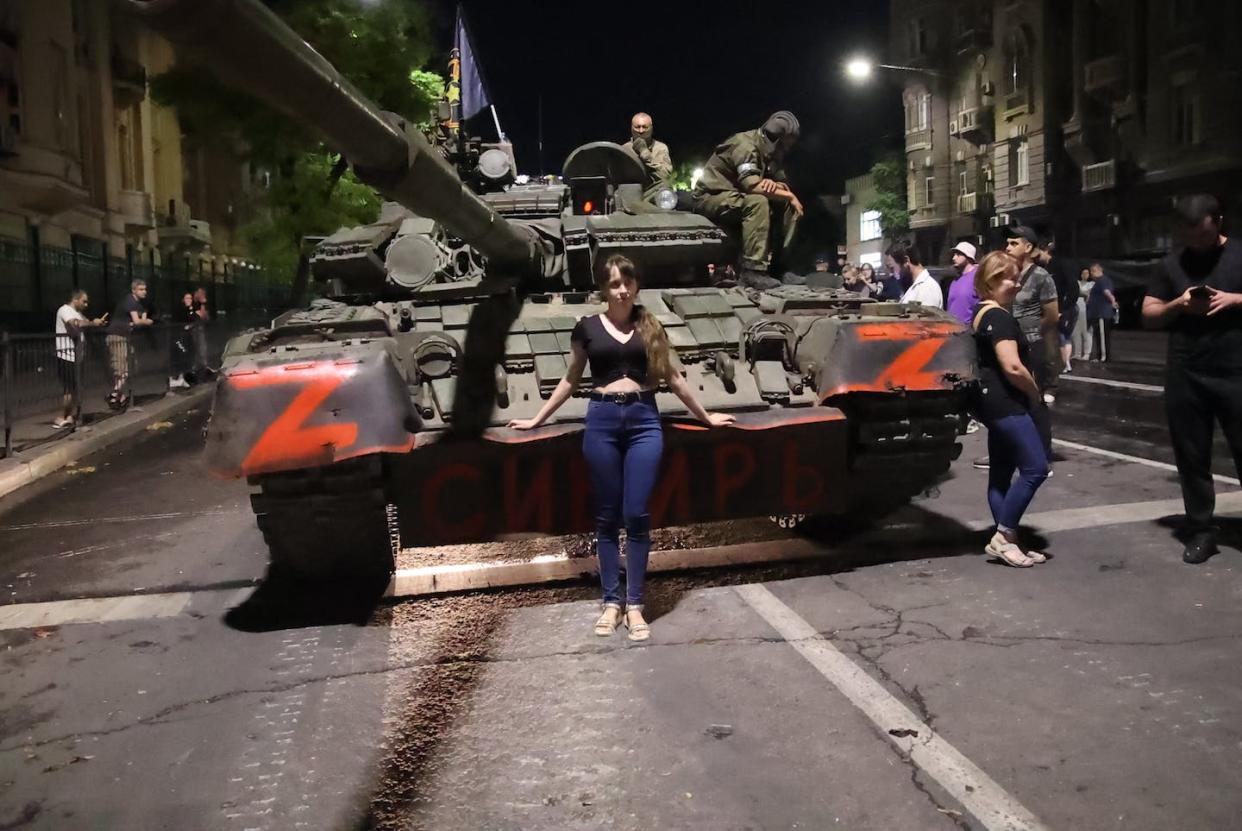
(630,356)
(1006,396)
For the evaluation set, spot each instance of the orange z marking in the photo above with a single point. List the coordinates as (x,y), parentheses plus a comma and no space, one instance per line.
(287,439)
(907,369)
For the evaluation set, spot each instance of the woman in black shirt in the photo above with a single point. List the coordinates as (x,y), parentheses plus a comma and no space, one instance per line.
(630,356)
(1006,395)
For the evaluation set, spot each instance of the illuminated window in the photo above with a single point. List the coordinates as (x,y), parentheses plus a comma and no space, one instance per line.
(869,225)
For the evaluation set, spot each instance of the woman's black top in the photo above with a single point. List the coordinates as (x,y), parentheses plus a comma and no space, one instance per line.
(610,359)
(997,397)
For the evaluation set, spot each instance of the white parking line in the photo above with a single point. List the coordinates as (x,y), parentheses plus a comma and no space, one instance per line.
(1109,382)
(990,804)
(1139,460)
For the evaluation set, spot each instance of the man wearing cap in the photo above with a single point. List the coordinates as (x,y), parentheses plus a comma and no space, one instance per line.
(1036,309)
(744,184)
(657,163)
(962,297)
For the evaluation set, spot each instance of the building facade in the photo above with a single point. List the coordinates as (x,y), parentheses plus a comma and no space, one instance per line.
(1081,118)
(92,171)
(864,241)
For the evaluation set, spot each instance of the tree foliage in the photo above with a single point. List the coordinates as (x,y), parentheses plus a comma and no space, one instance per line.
(380,48)
(889,177)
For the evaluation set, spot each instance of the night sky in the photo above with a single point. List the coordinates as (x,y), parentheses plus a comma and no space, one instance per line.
(703,71)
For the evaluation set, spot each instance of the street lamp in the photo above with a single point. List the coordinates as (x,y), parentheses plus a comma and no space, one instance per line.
(695,175)
(859,68)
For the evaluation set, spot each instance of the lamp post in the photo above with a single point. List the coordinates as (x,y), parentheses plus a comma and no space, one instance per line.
(860,68)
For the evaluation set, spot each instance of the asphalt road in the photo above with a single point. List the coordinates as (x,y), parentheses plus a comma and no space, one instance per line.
(898,681)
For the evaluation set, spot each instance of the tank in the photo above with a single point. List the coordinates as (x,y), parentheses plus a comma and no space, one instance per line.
(374,418)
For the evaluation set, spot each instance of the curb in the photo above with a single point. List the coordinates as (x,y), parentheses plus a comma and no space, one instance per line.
(32,466)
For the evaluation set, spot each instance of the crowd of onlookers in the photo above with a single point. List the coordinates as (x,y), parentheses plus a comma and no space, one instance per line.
(188,358)
(1033,312)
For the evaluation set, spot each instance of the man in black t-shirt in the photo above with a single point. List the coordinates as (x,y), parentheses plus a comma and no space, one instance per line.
(1196,293)
(131,313)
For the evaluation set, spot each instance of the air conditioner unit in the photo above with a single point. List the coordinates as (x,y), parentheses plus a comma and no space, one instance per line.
(953,131)
(961,155)
(927,160)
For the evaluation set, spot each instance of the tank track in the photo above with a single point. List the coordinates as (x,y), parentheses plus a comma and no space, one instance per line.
(328,523)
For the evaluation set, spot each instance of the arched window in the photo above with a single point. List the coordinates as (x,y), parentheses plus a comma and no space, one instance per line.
(1017,67)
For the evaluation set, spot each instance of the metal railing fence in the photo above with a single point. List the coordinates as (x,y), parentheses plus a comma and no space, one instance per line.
(99,371)
(36,278)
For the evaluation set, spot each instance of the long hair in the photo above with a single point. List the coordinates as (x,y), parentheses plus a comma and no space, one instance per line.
(655,339)
(994,266)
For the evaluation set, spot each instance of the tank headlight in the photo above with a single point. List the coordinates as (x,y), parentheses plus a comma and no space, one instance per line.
(666,199)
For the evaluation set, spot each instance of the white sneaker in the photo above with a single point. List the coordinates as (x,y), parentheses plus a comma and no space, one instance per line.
(178,384)
(1049,398)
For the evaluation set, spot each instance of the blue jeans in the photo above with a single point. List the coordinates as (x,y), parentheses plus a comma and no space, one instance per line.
(623,444)
(1014,443)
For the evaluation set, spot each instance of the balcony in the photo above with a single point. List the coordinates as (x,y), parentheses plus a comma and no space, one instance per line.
(1100,176)
(918,139)
(135,208)
(193,235)
(976,124)
(1105,78)
(977,202)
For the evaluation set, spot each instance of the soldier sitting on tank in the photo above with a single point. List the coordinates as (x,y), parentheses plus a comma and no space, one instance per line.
(744,184)
(657,163)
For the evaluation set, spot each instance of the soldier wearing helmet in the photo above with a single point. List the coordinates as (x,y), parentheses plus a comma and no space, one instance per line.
(744,184)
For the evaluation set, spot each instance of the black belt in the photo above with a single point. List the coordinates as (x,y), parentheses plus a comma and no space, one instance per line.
(623,397)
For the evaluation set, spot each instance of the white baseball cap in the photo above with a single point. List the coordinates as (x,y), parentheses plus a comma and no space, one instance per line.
(966,250)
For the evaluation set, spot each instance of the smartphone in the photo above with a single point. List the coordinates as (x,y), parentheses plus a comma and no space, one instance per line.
(1200,292)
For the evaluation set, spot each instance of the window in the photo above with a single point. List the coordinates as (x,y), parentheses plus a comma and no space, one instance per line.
(1017,67)
(918,37)
(1019,163)
(912,193)
(961,182)
(918,111)
(874,259)
(1184,109)
(929,191)
(869,225)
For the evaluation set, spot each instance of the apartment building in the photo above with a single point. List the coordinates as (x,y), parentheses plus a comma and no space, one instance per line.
(1083,118)
(92,171)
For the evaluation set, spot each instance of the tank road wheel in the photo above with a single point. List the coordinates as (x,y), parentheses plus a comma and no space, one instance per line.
(328,523)
(787,521)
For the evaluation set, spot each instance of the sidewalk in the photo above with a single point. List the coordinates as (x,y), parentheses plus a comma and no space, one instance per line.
(50,453)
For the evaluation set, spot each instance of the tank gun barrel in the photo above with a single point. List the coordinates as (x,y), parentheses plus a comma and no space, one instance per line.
(248,46)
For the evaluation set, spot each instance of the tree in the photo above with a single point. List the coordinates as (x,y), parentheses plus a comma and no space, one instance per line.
(889,177)
(381,49)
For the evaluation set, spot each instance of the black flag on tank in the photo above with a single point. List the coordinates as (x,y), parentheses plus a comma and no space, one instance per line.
(473,93)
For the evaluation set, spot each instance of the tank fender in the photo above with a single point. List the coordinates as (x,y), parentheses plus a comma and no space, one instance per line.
(273,416)
(907,354)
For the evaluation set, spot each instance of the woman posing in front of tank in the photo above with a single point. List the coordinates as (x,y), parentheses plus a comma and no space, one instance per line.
(1006,394)
(629,354)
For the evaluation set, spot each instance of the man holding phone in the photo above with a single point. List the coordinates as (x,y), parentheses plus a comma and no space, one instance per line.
(1196,292)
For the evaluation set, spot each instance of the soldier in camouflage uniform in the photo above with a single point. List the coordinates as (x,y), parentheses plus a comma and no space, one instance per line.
(657,163)
(743,183)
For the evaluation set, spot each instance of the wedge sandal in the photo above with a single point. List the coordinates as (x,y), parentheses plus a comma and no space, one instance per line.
(1008,553)
(608,620)
(639,630)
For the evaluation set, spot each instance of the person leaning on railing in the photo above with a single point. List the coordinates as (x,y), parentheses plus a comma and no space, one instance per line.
(70,321)
(131,313)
